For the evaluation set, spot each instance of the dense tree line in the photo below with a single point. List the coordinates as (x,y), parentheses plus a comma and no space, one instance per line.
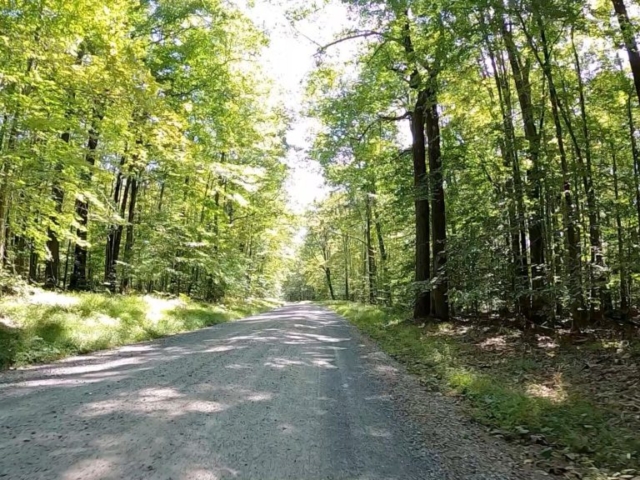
(519,189)
(137,151)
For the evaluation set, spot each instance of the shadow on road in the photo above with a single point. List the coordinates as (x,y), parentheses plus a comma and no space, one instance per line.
(276,396)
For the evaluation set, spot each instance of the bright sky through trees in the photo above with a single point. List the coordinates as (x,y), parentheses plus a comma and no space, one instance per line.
(289,59)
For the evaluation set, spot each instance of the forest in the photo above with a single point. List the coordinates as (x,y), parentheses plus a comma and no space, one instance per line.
(138,152)
(483,219)
(480,219)
(483,157)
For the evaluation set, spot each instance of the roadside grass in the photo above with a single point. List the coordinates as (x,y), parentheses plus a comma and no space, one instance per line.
(47,326)
(576,406)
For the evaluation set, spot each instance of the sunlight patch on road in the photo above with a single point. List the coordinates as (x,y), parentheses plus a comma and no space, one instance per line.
(260,397)
(322,363)
(379,432)
(220,349)
(163,402)
(283,362)
(99,468)
(199,474)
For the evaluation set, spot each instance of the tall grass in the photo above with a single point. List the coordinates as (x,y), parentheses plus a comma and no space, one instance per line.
(46,326)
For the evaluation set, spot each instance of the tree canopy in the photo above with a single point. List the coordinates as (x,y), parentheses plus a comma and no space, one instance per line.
(482,156)
(138,151)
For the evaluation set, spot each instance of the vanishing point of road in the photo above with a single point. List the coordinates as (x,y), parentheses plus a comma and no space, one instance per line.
(296,393)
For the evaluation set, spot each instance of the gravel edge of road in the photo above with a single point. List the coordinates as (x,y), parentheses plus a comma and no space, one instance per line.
(445,430)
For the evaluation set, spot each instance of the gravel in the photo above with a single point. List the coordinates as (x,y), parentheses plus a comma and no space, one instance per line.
(295,393)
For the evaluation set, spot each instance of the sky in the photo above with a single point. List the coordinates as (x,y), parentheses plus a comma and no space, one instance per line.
(288,60)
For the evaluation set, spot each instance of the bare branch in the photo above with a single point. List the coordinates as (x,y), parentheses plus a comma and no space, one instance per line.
(404,116)
(369,33)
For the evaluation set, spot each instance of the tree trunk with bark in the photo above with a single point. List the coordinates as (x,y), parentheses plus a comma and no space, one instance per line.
(440,302)
(629,41)
(422,304)
(537,304)
(78,280)
(624,287)
(128,244)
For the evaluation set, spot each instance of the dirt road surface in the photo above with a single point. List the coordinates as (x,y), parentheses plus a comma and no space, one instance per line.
(295,393)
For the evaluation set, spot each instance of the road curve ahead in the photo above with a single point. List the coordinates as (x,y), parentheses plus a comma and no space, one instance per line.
(295,393)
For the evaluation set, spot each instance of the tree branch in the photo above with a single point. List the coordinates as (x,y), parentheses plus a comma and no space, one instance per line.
(404,116)
(369,33)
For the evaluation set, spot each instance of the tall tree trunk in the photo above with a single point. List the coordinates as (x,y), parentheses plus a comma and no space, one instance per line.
(440,306)
(572,227)
(78,279)
(33,265)
(345,243)
(5,192)
(537,302)
(635,152)
(629,41)
(114,236)
(52,264)
(598,267)
(422,304)
(128,244)
(371,254)
(513,186)
(624,289)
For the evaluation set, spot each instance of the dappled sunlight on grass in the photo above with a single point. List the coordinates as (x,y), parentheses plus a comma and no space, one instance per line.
(46,326)
(518,386)
(555,392)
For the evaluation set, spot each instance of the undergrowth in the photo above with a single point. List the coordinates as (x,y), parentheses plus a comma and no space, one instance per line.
(546,396)
(46,326)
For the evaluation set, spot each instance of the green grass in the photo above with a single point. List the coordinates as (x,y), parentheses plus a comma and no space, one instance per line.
(47,326)
(496,386)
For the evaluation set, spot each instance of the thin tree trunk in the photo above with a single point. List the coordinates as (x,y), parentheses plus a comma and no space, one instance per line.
(20,255)
(573,239)
(327,272)
(636,159)
(345,242)
(598,267)
(33,265)
(629,42)
(517,213)
(384,256)
(371,254)
(624,289)
(537,302)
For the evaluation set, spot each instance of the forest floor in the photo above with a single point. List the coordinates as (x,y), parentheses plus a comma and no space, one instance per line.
(41,326)
(573,404)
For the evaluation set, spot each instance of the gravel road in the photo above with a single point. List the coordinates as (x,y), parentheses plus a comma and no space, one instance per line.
(296,393)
